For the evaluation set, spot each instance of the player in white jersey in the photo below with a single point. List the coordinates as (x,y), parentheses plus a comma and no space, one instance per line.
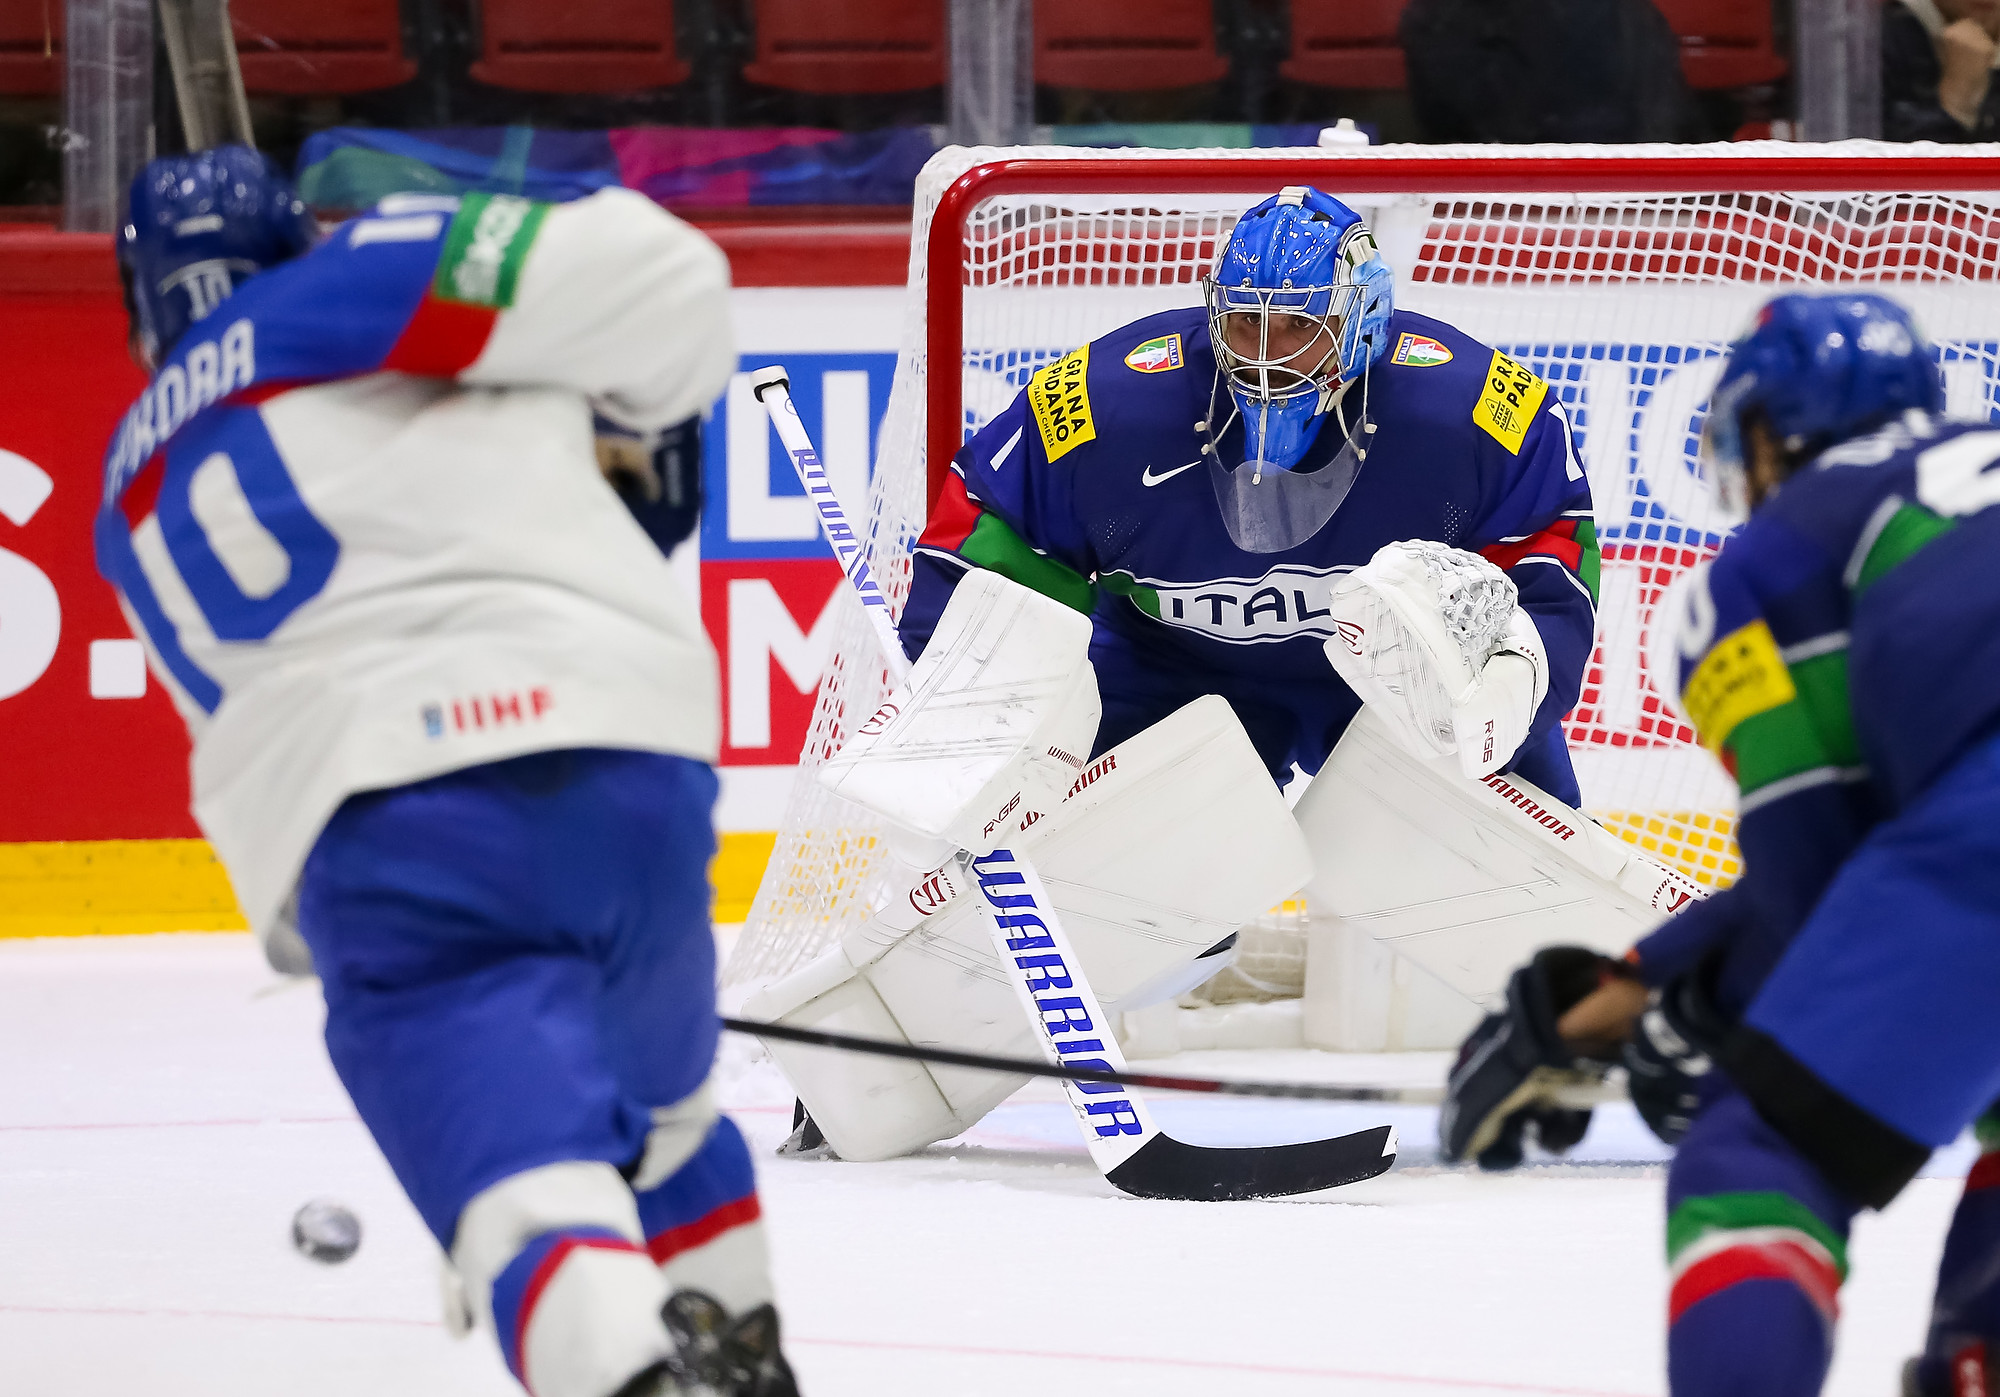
(452,714)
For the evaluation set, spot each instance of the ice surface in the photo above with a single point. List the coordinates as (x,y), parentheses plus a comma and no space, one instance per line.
(166,1106)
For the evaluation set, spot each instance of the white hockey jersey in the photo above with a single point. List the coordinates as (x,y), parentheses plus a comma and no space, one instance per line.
(358,520)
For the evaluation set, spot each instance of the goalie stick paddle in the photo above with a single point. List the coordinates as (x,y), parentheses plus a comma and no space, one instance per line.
(1134,1154)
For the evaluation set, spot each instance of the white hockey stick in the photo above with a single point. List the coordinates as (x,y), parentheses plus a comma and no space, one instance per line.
(1118,1130)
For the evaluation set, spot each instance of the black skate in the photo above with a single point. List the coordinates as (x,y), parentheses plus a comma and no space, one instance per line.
(805,1141)
(728,1357)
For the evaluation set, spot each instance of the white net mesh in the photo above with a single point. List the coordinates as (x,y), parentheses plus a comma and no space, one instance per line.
(1624,301)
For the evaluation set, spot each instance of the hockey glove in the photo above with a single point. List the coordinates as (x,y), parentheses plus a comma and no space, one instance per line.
(1509,1070)
(1434,640)
(1671,1054)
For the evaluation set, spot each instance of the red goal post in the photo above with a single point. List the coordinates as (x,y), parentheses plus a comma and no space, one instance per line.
(1619,274)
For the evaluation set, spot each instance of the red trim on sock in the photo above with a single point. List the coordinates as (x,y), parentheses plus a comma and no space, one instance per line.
(1985,1173)
(1760,1261)
(669,1244)
(442,338)
(531,1294)
(1557,541)
(952,518)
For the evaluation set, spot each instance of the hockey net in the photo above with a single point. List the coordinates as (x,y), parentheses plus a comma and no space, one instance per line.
(1619,274)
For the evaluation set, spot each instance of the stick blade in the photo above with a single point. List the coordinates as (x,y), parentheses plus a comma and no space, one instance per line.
(1168,1168)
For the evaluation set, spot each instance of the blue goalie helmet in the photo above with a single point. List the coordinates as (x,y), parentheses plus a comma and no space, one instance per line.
(1819,370)
(196,226)
(1298,305)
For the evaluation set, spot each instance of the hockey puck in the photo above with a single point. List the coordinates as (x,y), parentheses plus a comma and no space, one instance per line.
(326,1231)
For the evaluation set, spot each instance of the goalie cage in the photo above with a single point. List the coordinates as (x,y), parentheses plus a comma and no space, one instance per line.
(1619,274)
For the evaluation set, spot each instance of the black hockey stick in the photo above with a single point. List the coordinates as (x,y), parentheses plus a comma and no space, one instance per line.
(1165,1167)
(1031,1067)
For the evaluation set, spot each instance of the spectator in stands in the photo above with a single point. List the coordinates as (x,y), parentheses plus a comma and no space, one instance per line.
(1547,70)
(1938,58)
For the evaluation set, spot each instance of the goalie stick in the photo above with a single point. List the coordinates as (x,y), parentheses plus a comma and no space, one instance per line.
(1573,1098)
(1133,1153)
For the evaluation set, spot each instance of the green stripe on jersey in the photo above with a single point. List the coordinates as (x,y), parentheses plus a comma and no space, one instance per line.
(1696,1218)
(1590,566)
(489,240)
(1907,531)
(997,548)
(1813,730)
(1121,584)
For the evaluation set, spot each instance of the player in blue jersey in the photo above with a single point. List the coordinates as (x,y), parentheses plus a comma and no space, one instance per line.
(1199,480)
(453,720)
(1811,1034)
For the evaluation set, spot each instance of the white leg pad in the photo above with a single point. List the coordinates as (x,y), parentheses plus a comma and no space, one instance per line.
(1470,878)
(1166,845)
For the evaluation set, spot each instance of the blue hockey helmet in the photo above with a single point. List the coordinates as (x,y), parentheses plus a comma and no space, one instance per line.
(195,227)
(1298,304)
(1819,370)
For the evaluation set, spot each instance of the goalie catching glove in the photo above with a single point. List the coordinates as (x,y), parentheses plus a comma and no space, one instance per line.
(1433,638)
(1510,1070)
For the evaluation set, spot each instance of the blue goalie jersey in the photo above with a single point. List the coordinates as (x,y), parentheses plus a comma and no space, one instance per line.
(1093,486)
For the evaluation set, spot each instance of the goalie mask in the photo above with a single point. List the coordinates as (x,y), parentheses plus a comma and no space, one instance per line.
(1298,307)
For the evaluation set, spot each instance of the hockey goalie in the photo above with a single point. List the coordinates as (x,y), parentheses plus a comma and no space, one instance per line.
(1162,582)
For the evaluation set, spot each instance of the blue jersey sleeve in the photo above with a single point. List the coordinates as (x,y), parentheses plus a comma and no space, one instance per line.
(1008,507)
(1540,531)
(1776,715)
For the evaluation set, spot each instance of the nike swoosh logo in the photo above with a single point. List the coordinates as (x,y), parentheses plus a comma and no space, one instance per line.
(1146,477)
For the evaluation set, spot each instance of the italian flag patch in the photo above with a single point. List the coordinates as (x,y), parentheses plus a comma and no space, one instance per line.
(1420,352)
(1155,356)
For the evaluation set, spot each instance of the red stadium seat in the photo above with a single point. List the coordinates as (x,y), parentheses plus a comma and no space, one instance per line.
(844,48)
(1725,43)
(31,51)
(1126,45)
(1346,43)
(313,48)
(603,46)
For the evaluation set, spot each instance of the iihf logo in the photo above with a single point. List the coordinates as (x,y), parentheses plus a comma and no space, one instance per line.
(478,712)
